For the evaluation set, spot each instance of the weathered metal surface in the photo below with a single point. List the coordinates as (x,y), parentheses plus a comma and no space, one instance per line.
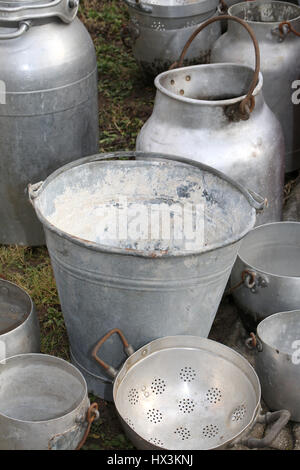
(277,361)
(272,253)
(43,403)
(19,327)
(186,392)
(150,287)
(157,37)
(48,108)
(280,62)
(190,119)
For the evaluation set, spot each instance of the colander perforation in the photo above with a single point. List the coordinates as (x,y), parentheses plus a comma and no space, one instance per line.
(158,386)
(187,374)
(210,431)
(213,395)
(129,422)
(156,441)
(186,405)
(133,396)
(239,413)
(155,416)
(183,433)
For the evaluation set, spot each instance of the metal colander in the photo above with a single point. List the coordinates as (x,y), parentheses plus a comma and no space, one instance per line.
(184,392)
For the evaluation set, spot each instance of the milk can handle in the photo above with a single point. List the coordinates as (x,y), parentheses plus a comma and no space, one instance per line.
(248,103)
(23,27)
(127,348)
(278,419)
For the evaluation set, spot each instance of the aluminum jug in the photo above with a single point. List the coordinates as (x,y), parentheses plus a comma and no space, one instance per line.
(158,30)
(201,113)
(277,28)
(48,104)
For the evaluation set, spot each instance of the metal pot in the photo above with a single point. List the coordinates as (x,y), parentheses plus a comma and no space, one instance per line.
(277,361)
(19,326)
(202,113)
(158,29)
(48,104)
(280,61)
(267,271)
(186,392)
(150,285)
(43,404)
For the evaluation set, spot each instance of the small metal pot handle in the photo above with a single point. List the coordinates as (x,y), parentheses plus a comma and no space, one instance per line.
(138,5)
(247,105)
(279,419)
(254,343)
(23,28)
(91,416)
(128,349)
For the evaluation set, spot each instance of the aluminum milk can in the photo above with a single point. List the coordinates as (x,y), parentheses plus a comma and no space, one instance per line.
(276,26)
(158,30)
(48,104)
(198,114)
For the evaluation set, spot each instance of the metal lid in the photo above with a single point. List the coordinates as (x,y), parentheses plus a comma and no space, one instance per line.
(20,10)
(173,8)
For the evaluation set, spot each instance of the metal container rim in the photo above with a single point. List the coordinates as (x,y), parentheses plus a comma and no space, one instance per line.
(269,319)
(211,103)
(267,273)
(151,158)
(84,394)
(265,23)
(27,319)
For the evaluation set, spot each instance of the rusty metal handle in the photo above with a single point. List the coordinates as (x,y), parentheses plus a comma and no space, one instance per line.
(278,419)
(127,348)
(253,343)
(290,29)
(248,103)
(92,415)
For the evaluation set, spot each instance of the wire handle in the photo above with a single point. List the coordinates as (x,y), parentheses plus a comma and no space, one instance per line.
(248,103)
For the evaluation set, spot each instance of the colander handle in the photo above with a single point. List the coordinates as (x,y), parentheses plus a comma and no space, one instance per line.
(278,419)
(247,105)
(127,348)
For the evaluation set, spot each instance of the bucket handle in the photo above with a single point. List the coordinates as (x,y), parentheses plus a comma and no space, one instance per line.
(23,28)
(128,349)
(247,105)
(278,419)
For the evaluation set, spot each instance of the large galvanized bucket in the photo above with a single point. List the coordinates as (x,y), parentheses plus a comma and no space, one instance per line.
(150,285)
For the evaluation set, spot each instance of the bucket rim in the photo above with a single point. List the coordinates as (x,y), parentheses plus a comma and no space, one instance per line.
(152,157)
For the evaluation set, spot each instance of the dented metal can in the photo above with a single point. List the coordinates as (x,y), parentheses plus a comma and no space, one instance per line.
(274,24)
(48,104)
